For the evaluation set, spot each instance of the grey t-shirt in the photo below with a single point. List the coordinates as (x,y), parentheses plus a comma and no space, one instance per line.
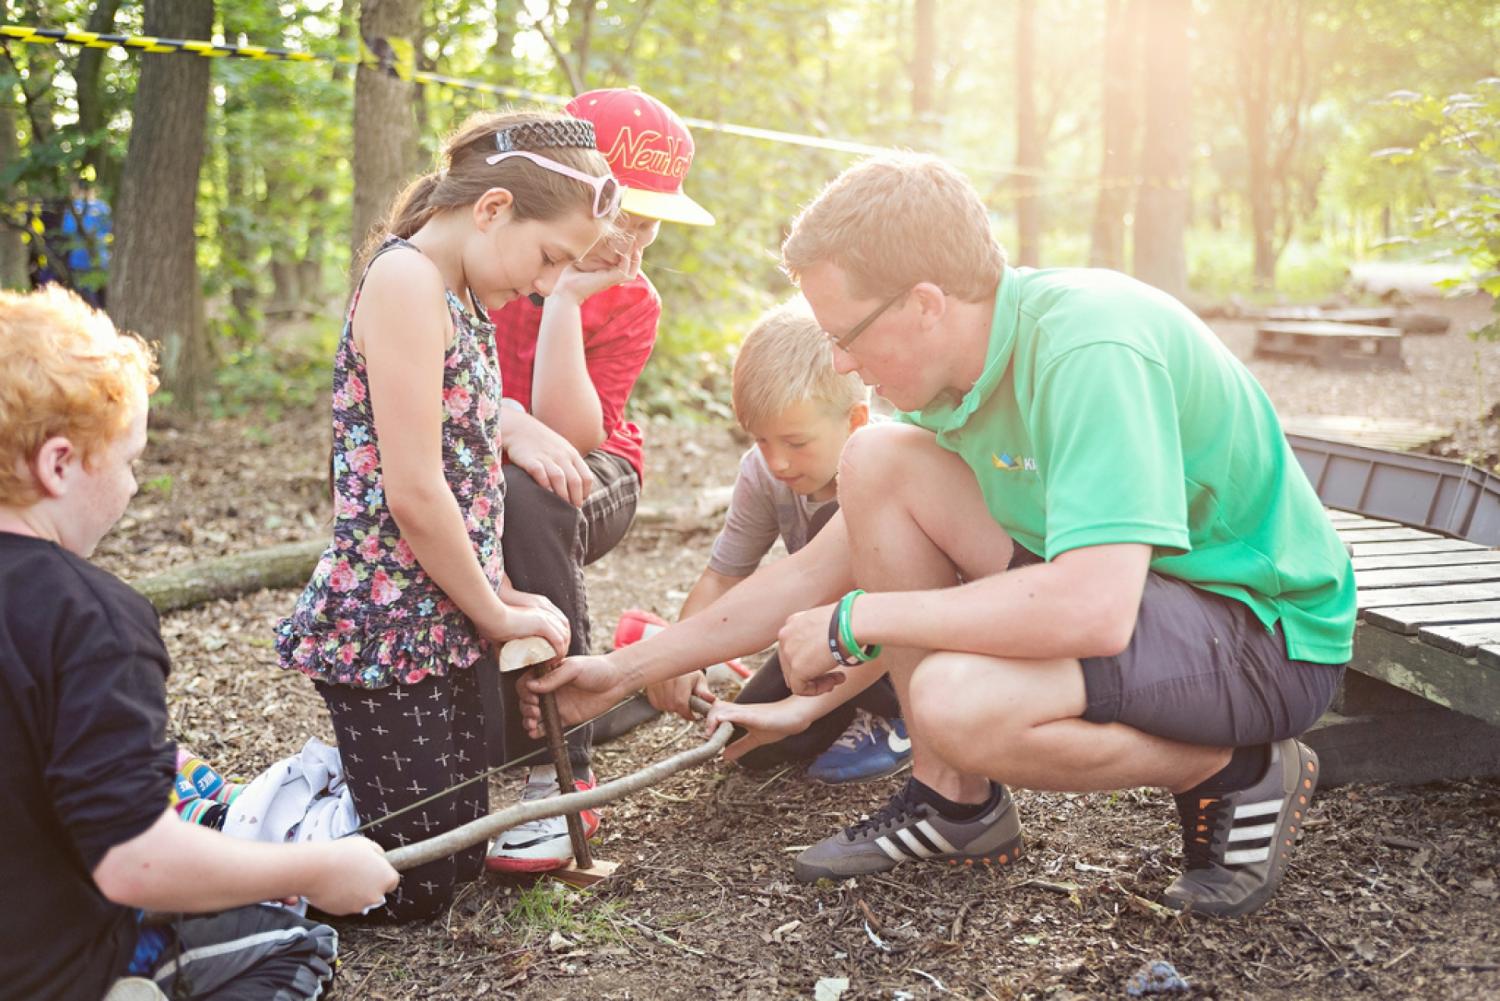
(761,509)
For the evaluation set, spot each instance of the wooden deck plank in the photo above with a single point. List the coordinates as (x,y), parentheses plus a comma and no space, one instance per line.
(1428,576)
(1461,639)
(1359,522)
(1436,544)
(1436,675)
(1438,594)
(1385,535)
(1462,557)
(1407,619)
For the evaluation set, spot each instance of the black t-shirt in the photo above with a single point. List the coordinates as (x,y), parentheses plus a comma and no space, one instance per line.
(85,764)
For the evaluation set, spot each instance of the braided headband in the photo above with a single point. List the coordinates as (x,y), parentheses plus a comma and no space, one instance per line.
(566,132)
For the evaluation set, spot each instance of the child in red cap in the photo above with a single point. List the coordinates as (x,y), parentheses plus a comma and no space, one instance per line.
(572,461)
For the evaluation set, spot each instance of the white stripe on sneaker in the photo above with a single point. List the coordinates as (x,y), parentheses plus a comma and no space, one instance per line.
(931,833)
(1247,855)
(896,854)
(921,850)
(1257,833)
(1258,809)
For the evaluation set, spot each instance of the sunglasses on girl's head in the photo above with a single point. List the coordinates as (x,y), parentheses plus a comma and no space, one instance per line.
(607,190)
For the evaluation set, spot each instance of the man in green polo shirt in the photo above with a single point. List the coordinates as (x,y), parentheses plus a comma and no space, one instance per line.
(1092,561)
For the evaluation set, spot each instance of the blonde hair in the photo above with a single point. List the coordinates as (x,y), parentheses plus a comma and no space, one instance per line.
(786,360)
(464,176)
(68,373)
(895,220)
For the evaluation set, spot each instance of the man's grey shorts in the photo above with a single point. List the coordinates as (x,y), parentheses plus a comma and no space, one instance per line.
(1200,668)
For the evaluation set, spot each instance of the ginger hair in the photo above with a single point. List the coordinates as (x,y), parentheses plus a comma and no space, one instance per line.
(895,220)
(68,373)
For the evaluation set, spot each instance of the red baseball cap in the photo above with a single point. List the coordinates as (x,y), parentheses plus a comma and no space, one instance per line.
(649,149)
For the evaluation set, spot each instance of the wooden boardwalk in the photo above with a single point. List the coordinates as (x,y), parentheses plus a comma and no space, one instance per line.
(1429,613)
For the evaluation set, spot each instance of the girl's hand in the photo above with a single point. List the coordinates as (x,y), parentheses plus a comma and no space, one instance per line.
(584,687)
(673,694)
(525,599)
(763,722)
(806,663)
(520,620)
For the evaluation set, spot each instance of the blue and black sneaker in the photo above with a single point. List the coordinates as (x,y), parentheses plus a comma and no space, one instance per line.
(869,749)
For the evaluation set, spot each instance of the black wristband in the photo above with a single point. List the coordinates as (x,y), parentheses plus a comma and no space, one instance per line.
(834,647)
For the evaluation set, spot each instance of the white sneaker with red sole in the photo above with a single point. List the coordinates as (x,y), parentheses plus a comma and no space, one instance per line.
(541,845)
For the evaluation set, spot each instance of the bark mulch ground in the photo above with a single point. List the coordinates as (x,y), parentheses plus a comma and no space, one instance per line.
(1392,894)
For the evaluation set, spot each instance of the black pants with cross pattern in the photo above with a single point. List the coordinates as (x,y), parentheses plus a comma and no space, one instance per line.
(402,744)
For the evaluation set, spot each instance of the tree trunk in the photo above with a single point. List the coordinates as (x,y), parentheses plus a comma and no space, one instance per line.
(1162,200)
(14,272)
(924,71)
(1122,19)
(1028,141)
(91,115)
(385,123)
(153,276)
(502,59)
(286,565)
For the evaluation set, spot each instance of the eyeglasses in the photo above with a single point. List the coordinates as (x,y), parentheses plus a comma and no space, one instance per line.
(607,190)
(859,328)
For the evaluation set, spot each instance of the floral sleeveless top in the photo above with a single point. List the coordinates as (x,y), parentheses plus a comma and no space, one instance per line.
(370,616)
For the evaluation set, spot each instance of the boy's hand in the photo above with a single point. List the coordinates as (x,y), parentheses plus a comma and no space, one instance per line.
(356,877)
(806,663)
(673,694)
(623,258)
(584,686)
(546,456)
(764,722)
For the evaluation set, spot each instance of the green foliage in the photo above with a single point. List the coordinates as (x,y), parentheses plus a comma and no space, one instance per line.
(548,906)
(1458,160)
(1219,266)
(274,199)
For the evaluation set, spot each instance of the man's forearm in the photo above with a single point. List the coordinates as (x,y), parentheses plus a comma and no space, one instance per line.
(748,617)
(1079,607)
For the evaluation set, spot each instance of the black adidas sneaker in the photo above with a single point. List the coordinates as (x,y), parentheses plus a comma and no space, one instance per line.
(1236,843)
(905,830)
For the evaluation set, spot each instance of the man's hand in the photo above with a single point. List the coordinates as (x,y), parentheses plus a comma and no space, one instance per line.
(764,722)
(584,686)
(355,877)
(673,695)
(806,662)
(546,456)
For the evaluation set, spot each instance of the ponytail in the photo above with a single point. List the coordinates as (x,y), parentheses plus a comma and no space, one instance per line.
(413,206)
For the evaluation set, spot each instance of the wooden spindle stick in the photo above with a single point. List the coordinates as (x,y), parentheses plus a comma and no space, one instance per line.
(552,725)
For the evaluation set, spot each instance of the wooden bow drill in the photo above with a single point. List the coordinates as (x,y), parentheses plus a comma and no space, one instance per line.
(514,656)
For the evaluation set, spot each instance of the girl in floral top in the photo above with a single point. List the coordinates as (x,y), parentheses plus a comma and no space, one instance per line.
(411,594)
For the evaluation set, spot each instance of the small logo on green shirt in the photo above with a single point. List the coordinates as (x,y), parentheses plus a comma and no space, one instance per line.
(1005,462)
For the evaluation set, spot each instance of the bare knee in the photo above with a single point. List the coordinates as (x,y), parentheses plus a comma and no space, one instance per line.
(874,454)
(941,709)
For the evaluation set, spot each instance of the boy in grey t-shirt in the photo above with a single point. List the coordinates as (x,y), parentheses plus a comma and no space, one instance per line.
(800,412)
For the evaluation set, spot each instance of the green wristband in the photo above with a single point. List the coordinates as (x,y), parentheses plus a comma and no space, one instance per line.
(846,629)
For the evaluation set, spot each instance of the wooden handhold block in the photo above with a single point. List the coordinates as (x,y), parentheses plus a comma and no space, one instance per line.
(524,652)
(574,876)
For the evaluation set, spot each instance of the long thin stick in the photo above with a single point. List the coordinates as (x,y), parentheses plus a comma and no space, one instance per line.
(481,830)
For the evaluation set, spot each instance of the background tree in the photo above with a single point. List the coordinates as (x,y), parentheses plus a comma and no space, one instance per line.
(1028,140)
(385,124)
(153,279)
(1161,205)
(1120,94)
